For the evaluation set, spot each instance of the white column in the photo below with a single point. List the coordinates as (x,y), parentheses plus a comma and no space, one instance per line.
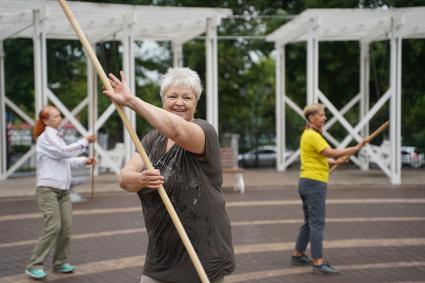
(40,66)
(395,107)
(312,68)
(177,54)
(92,105)
(212,73)
(40,75)
(3,137)
(364,96)
(128,67)
(280,107)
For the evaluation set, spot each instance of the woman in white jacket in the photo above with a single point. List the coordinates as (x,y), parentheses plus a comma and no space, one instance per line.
(54,161)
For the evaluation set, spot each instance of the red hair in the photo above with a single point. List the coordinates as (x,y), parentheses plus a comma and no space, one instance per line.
(39,125)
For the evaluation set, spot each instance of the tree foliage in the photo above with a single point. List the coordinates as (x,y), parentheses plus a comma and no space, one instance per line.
(246,71)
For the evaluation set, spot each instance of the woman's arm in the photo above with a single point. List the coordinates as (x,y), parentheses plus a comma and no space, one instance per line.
(184,133)
(79,162)
(340,152)
(133,177)
(187,134)
(337,161)
(50,145)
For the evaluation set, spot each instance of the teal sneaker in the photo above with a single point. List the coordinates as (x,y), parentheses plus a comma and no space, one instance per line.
(325,268)
(36,273)
(64,268)
(301,260)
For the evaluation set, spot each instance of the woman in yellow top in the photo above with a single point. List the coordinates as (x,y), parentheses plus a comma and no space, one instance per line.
(316,156)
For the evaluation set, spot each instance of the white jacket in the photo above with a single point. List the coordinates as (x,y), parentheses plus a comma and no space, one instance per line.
(55,159)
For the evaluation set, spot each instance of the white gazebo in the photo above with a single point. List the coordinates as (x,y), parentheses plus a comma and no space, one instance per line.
(365,26)
(44,19)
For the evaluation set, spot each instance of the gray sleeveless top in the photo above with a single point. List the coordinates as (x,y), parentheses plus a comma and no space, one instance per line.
(193,184)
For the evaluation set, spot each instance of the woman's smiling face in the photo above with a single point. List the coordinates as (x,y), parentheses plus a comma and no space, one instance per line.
(181,101)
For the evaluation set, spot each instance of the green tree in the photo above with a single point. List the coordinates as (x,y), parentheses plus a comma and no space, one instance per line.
(246,71)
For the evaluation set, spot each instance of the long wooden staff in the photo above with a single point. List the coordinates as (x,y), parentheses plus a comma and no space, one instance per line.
(92,169)
(368,139)
(169,206)
(93,126)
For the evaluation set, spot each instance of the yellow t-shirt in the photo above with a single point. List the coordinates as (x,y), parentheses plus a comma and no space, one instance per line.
(313,165)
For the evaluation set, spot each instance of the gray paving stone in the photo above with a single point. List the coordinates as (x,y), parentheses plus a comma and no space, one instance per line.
(358,264)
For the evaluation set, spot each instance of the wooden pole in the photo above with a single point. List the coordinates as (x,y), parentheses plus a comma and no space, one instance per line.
(368,139)
(92,173)
(93,125)
(167,203)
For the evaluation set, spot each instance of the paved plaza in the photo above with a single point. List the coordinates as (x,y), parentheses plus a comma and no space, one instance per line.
(375,231)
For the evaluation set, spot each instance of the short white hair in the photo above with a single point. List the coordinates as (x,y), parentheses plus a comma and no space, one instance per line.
(179,76)
(312,109)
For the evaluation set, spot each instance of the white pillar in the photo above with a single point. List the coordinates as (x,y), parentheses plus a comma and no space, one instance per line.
(3,137)
(128,67)
(395,107)
(92,105)
(280,107)
(364,96)
(40,70)
(40,65)
(312,68)
(212,73)
(177,54)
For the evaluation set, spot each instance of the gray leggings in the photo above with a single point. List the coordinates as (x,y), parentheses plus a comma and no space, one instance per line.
(313,195)
(146,279)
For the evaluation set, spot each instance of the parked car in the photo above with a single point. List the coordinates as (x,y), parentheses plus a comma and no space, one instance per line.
(412,157)
(261,156)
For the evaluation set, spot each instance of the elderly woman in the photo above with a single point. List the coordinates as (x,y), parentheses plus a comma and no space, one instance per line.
(316,156)
(186,154)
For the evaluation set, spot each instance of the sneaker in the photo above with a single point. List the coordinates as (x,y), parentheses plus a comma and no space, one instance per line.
(65,268)
(36,273)
(325,268)
(301,260)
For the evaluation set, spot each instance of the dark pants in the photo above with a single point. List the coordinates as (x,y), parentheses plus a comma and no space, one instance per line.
(313,195)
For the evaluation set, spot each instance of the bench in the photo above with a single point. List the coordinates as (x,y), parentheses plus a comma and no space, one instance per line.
(116,155)
(383,152)
(229,163)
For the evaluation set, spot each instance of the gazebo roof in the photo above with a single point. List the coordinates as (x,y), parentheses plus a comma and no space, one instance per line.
(352,24)
(102,22)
